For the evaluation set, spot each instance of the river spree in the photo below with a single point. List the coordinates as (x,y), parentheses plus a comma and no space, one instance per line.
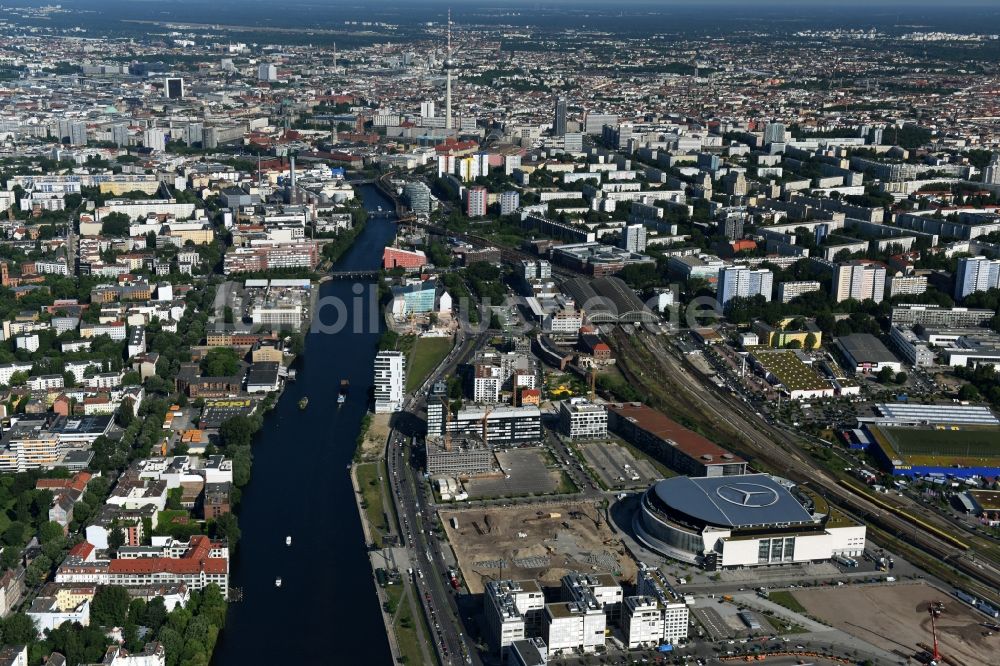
(326,610)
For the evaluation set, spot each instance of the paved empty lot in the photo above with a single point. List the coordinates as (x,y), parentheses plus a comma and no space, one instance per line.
(528,475)
(609,459)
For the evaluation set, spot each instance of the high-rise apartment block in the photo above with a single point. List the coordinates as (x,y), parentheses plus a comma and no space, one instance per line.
(859,280)
(510,201)
(390,381)
(976,274)
(634,238)
(744,282)
(475,201)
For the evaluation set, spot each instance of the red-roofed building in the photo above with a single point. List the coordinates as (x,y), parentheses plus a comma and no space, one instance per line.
(196,564)
(681,449)
(393,257)
(78,482)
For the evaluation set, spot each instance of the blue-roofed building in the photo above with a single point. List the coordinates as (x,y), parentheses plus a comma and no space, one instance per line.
(749,520)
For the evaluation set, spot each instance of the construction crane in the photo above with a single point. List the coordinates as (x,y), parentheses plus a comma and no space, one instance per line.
(486,415)
(447,421)
(934,609)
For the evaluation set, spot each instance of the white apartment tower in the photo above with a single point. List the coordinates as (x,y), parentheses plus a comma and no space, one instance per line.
(742,281)
(976,274)
(634,238)
(859,280)
(390,381)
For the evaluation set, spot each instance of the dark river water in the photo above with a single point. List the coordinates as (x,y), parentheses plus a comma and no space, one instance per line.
(326,611)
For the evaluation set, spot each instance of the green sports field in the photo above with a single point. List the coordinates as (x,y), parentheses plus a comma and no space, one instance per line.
(965,442)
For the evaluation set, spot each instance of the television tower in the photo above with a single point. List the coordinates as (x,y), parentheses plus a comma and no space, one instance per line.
(449,65)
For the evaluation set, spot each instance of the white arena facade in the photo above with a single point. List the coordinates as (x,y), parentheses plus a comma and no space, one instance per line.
(740,521)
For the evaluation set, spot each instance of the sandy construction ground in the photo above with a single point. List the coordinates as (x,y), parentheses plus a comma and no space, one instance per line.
(894,617)
(529,543)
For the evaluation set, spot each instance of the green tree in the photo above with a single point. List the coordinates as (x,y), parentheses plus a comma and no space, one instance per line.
(238,430)
(220,362)
(116,539)
(110,606)
(969,393)
(886,375)
(810,341)
(125,414)
(18,629)
(115,224)
(38,571)
(227,527)
(50,531)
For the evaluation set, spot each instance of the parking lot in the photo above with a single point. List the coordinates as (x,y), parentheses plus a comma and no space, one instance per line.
(616,465)
(525,472)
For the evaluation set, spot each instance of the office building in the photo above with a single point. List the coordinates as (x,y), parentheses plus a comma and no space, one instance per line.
(463,457)
(570,626)
(427,109)
(476,199)
(528,652)
(634,238)
(559,121)
(505,426)
(514,611)
(976,274)
(510,201)
(593,123)
(859,280)
(642,622)
(581,419)
(573,142)
(418,196)
(913,350)
(651,583)
(740,281)
(390,381)
(602,588)
(173,88)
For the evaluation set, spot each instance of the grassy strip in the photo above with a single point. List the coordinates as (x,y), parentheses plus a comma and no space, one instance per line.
(371,500)
(788,600)
(566,485)
(426,354)
(410,635)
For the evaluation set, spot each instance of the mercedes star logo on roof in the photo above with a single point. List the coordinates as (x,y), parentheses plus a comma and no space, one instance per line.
(747,494)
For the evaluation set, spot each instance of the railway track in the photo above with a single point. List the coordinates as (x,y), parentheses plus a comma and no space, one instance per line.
(779,451)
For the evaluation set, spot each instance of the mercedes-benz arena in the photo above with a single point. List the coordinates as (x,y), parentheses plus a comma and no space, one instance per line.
(740,521)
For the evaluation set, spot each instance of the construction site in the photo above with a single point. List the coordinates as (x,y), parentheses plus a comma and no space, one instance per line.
(907,619)
(542,542)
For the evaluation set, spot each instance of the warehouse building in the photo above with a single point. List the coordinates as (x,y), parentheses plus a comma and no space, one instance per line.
(681,449)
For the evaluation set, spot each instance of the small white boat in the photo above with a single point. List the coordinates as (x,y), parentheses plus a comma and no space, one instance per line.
(277,581)
(288,541)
